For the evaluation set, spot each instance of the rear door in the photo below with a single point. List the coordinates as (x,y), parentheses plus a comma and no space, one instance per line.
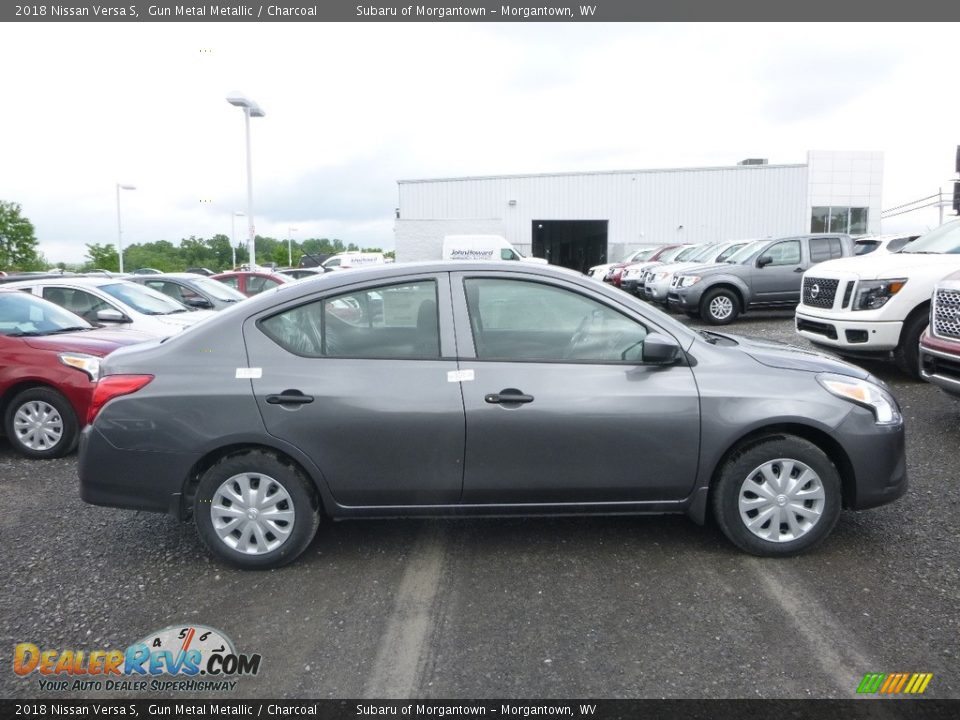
(558,406)
(359,379)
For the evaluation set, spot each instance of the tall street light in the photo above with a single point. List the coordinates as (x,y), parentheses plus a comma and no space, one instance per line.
(233,237)
(290,246)
(121,186)
(250,109)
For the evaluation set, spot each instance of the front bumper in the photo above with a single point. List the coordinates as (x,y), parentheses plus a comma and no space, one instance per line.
(855,336)
(686,299)
(940,363)
(656,292)
(631,285)
(878,460)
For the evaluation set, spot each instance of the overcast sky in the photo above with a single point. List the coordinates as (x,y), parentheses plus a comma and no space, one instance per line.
(352,108)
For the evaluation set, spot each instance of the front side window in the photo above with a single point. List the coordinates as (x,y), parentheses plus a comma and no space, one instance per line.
(783,253)
(519,320)
(393,321)
(508,254)
(84,304)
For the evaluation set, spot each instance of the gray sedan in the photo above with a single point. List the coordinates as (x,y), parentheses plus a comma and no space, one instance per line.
(480,389)
(193,290)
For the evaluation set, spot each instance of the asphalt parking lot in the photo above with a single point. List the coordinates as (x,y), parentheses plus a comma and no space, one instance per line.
(595,607)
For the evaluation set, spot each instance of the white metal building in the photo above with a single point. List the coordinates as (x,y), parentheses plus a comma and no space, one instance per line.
(580,219)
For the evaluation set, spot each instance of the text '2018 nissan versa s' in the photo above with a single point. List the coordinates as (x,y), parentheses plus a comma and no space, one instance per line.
(484,389)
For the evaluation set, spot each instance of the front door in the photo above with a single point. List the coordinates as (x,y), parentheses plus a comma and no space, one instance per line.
(778,282)
(355,379)
(560,407)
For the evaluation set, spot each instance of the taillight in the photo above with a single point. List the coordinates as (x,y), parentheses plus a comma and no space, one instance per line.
(113,386)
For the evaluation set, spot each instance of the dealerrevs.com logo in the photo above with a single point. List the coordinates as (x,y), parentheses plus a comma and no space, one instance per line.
(196,656)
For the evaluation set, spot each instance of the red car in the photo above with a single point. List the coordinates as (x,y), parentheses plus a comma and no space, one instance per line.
(251,283)
(49,365)
(615,274)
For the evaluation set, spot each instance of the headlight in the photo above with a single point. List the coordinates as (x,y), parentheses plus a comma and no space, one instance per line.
(865,393)
(87,363)
(688,280)
(873,294)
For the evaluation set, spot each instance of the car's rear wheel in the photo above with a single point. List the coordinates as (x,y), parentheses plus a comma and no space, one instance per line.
(40,423)
(254,511)
(720,307)
(778,496)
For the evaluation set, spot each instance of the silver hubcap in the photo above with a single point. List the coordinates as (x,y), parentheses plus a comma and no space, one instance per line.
(781,500)
(38,425)
(721,307)
(252,513)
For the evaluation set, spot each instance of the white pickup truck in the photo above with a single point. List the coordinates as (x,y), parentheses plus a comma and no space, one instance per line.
(877,306)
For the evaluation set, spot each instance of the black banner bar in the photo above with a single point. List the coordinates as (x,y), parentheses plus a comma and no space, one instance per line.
(511,709)
(859,11)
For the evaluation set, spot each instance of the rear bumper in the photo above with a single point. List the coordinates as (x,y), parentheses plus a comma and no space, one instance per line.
(136,480)
(856,336)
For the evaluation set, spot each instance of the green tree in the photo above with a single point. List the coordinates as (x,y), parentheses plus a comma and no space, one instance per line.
(103,257)
(18,242)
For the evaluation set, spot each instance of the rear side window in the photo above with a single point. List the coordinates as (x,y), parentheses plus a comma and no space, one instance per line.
(825,249)
(391,321)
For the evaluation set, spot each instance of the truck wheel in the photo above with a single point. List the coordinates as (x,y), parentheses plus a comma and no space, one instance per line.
(719,307)
(779,496)
(907,353)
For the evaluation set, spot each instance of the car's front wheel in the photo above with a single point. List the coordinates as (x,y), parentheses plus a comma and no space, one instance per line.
(254,511)
(40,423)
(720,307)
(778,496)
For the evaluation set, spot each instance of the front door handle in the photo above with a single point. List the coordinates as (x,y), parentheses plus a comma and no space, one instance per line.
(508,397)
(289,397)
(800,269)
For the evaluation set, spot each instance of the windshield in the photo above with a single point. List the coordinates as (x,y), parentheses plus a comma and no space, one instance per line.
(747,251)
(143,299)
(704,252)
(945,239)
(217,289)
(24,314)
(689,253)
(672,253)
(638,256)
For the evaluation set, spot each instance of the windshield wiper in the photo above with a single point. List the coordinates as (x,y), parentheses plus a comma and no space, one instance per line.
(173,312)
(75,328)
(25,333)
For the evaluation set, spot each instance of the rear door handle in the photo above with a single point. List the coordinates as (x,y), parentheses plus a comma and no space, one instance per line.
(289,397)
(508,397)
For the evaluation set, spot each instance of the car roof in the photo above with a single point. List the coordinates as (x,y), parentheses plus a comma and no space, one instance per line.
(67,281)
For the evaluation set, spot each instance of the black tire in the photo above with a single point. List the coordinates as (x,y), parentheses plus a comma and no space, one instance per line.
(264,467)
(744,465)
(907,353)
(710,312)
(69,428)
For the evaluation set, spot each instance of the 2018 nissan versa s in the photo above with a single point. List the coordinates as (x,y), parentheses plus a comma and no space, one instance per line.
(468,388)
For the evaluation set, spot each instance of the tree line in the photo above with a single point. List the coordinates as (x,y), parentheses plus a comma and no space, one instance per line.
(214,253)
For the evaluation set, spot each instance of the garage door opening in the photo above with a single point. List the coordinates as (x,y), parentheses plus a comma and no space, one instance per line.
(575,244)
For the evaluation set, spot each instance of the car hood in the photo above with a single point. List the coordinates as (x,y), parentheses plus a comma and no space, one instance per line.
(887,265)
(776,354)
(708,268)
(98,342)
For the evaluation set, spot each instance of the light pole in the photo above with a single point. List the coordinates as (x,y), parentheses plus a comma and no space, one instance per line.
(290,246)
(121,186)
(250,109)
(233,237)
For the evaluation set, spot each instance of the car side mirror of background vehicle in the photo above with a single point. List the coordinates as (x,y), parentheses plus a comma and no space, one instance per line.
(199,303)
(764,260)
(660,349)
(111,316)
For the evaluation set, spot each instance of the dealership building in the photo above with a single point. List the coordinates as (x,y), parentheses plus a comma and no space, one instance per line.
(580,219)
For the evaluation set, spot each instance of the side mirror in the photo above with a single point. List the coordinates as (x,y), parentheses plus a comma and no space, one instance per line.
(199,302)
(112,316)
(660,350)
(764,260)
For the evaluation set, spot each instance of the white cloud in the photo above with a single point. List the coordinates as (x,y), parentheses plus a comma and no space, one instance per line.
(353,108)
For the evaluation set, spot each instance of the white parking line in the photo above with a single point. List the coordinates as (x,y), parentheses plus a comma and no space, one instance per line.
(400,657)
